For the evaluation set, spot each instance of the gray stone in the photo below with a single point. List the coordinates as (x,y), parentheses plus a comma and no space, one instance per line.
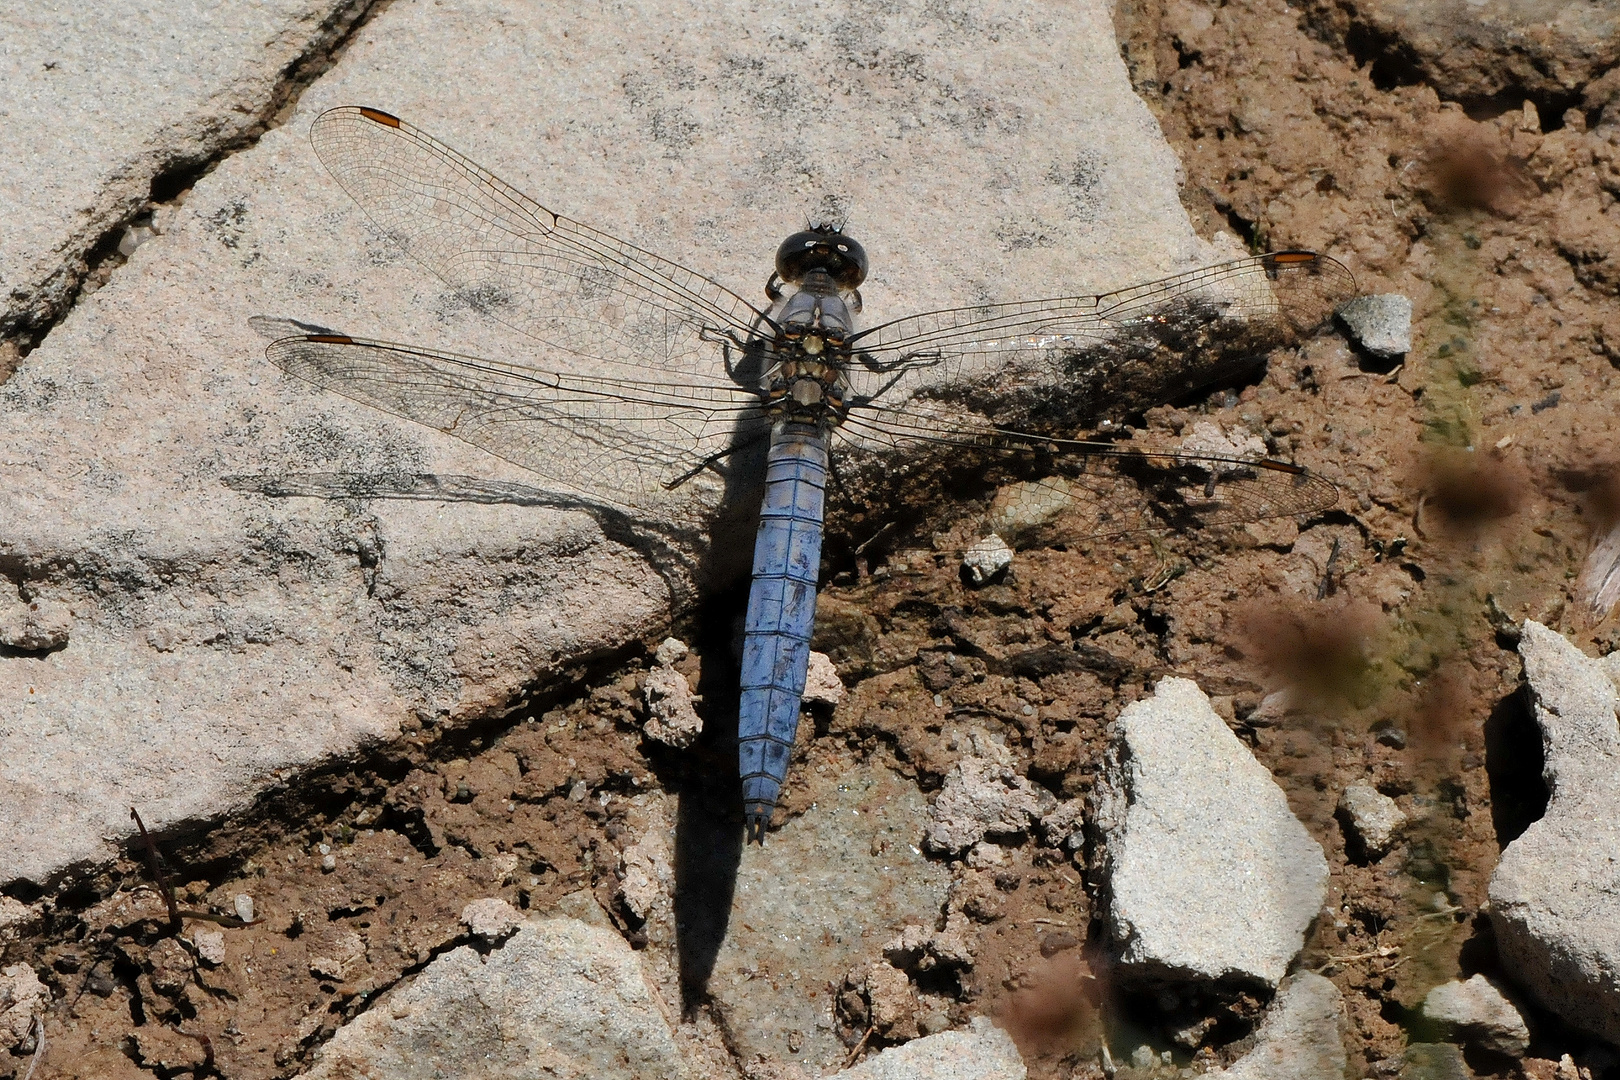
(1300,1037)
(981,1052)
(1207,874)
(1372,817)
(559,999)
(1480,1014)
(1380,324)
(815,902)
(1555,895)
(96,109)
(280,634)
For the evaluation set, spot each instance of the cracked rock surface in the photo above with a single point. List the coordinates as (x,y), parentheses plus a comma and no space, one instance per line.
(112,111)
(1555,895)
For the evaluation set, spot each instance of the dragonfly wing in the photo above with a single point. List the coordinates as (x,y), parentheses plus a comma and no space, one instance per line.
(1078,490)
(560,282)
(615,440)
(1165,336)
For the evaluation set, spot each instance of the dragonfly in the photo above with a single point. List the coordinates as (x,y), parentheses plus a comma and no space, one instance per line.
(659,382)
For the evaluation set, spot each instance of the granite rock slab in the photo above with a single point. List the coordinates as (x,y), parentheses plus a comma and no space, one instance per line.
(99,102)
(213,641)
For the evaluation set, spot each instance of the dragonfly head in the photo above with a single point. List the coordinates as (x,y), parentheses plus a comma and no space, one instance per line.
(823,248)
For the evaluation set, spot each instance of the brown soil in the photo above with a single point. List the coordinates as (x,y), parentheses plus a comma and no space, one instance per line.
(1473,474)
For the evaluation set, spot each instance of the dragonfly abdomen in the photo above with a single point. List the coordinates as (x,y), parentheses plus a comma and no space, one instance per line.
(781,615)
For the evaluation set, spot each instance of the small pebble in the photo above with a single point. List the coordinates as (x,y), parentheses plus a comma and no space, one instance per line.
(1392,737)
(244,907)
(210,946)
(328,864)
(671,651)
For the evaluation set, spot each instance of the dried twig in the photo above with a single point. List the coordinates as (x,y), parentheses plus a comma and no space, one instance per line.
(177,913)
(855,1053)
(39,1047)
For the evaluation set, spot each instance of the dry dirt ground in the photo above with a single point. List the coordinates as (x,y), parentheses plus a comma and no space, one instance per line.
(1474,479)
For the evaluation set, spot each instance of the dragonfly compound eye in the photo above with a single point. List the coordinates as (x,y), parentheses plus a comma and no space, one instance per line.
(824,249)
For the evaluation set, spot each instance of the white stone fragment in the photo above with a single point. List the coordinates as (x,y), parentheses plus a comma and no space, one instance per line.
(985,855)
(1597,590)
(1064,826)
(672,716)
(1555,894)
(22,997)
(559,999)
(1207,438)
(1372,817)
(339,956)
(1380,324)
(1299,1038)
(210,945)
(670,652)
(1208,875)
(822,686)
(983,796)
(646,877)
(986,558)
(243,903)
(981,1052)
(1479,1013)
(893,1001)
(491,919)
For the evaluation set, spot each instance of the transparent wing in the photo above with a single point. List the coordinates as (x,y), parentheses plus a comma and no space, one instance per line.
(1092,489)
(558,281)
(624,441)
(1161,337)
(1286,292)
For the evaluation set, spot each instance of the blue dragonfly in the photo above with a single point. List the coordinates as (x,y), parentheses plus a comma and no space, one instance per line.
(658,379)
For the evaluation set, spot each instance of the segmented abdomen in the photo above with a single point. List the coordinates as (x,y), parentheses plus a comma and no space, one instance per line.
(781,613)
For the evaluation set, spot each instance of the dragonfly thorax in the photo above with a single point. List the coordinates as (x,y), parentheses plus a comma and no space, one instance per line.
(806,388)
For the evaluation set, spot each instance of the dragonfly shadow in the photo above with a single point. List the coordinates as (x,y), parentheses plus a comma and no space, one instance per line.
(669,548)
(705,567)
